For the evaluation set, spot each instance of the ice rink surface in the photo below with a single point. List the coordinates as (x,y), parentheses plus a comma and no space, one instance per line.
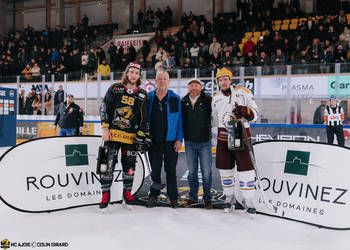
(164,228)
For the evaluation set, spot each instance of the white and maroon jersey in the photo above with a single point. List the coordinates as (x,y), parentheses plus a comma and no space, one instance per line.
(223,105)
(333,116)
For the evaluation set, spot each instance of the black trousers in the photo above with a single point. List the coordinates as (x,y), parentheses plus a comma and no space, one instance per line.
(159,153)
(338,131)
(128,160)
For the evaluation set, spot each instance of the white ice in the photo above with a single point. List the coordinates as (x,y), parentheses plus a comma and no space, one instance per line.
(163,228)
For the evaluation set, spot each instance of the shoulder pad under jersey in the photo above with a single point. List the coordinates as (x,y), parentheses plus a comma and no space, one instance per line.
(246,90)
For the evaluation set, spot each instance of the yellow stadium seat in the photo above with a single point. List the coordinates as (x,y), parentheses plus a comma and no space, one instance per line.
(294,21)
(285,21)
(255,39)
(248,34)
(277,22)
(263,33)
(276,27)
(293,26)
(244,40)
(284,27)
(256,34)
(302,19)
(240,46)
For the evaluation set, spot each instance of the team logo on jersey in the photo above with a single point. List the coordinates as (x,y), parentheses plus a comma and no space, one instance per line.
(5,244)
(122,117)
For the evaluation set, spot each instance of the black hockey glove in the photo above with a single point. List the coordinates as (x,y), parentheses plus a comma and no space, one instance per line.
(142,141)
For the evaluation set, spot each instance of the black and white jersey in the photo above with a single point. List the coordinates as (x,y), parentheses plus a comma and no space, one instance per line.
(333,116)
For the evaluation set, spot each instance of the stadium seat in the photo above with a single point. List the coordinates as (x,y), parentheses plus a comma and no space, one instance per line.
(248,34)
(277,22)
(293,26)
(256,34)
(244,40)
(240,46)
(302,19)
(285,22)
(276,27)
(255,39)
(284,27)
(294,21)
(263,33)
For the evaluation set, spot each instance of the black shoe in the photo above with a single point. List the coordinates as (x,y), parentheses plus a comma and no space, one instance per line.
(152,202)
(208,205)
(238,206)
(251,210)
(174,204)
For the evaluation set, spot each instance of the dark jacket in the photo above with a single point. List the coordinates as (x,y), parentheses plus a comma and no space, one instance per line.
(197,119)
(174,117)
(69,117)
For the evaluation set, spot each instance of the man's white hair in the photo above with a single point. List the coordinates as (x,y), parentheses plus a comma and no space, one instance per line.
(159,72)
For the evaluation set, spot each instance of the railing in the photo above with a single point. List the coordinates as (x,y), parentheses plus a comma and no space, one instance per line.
(284,98)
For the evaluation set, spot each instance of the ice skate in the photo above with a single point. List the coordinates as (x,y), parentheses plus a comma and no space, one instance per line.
(104,202)
(128,200)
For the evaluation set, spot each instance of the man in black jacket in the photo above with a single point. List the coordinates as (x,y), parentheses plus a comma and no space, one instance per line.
(196,111)
(69,117)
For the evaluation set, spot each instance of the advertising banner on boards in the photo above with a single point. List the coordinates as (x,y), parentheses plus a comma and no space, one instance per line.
(63,177)
(8,116)
(305,183)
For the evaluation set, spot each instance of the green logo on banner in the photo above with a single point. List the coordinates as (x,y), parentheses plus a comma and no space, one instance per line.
(76,155)
(297,162)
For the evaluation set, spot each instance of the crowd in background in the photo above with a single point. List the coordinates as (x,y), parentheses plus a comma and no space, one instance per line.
(32,53)
(203,44)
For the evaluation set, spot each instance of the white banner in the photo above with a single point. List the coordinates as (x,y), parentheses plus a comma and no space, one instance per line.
(294,87)
(135,40)
(57,173)
(307,181)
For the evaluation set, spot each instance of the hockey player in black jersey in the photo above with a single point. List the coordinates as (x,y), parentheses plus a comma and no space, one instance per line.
(124,122)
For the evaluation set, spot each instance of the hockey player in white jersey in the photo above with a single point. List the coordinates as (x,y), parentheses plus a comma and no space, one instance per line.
(234,102)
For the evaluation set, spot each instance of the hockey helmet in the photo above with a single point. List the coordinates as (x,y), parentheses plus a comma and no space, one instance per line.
(332,97)
(224,72)
(133,65)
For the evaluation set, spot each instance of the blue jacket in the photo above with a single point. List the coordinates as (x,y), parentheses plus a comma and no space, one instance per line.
(174,115)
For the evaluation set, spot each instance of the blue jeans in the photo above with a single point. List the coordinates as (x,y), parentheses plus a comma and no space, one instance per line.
(66,131)
(201,151)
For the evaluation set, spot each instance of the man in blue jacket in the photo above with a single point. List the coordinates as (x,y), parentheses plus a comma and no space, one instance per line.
(165,120)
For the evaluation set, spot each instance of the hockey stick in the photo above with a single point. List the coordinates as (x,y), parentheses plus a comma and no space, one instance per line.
(267,204)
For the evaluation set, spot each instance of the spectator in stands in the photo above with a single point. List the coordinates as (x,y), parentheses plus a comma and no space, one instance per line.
(132,53)
(158,39)
(215,61)
(101,55)
(263,60)
(194,54)
(54,55)
(36,72)
(58,98)
(92,60)
(27,72)
(315,51)
(321,34)
(227,60)
(37,104)
(48,103)
(203,51)
(21,102)
(104,70)
(339,54)
(248,46)
(238,60)
(301,60)
(145,52)
(184,53)
(29,101)
(159,65)
(214,47)
(249,60)
(342,42)
(75,73)
(332,34)
(346,34)
(278,60)
(169,62)
(85,21)
(326,58)
(84,62)
(161,54)
(168,14)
